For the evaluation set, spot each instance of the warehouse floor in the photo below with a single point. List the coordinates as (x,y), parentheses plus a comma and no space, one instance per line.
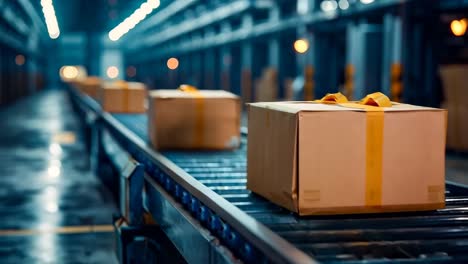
(53,210)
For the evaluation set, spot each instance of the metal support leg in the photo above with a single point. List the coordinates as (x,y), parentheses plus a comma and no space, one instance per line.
(130,175)
(131,190)
(144,244)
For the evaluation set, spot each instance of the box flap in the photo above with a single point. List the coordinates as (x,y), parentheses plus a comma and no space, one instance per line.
(168,94)
(297,106)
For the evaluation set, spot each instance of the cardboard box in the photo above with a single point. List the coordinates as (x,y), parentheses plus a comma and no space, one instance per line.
(455,79)
(123,97)
(194,120)
(266,88)
(314,158)
(457,127)
(89,86)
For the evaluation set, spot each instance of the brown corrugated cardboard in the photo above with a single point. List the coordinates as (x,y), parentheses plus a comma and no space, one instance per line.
(123,97)
(316,158)
(457,130)
(89,86)
(194,120)
(455,79)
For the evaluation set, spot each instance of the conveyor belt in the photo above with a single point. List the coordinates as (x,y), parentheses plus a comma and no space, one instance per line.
(427,236)
(419,237)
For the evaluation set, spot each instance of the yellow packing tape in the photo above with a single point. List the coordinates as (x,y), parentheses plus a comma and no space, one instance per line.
(373,105)
(199,114)
(334,98)
(377,99)
(374,149)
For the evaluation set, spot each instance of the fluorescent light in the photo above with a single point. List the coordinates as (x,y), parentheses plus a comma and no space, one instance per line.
(136,17)
(146,8)
(50,18)
(367,1)
(153,3)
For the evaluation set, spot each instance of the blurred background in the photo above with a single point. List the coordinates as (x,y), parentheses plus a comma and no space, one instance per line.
(259,49)
(53,207)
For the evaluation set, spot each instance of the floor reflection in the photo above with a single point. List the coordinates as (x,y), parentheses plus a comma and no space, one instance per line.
(54,210)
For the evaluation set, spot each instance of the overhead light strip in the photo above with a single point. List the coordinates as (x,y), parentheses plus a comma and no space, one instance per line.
(130,22)
(50,18)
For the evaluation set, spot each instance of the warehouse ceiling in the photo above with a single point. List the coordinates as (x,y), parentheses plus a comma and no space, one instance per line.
(92,15)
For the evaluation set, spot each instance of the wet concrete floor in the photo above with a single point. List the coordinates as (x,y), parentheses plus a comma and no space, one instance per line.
(52,208)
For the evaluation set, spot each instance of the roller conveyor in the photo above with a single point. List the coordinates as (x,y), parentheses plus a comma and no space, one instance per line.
(201,196)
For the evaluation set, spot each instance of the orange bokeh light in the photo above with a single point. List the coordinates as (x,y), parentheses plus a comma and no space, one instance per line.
(458,27)
(20,60)
(301,45)
(172,63)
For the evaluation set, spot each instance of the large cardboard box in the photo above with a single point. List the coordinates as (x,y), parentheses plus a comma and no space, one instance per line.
(89,86)
(204,119)
(314,158)
(123,97)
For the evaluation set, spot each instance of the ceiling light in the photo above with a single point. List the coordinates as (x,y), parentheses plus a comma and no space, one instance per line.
(146,8)
(136,17)
(50,18)
(367,1)
(301,45)
(458,27)
(343,4)
(69,72)
(153,3)
(328,5)
(112,72)
(172,63)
